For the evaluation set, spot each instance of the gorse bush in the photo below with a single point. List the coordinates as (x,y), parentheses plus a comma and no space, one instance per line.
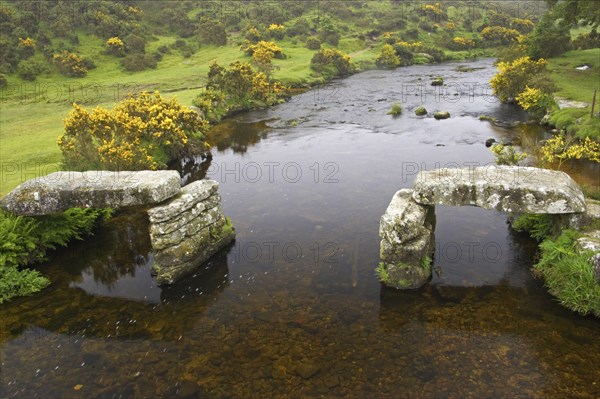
(235,88)
(522,74)
(498,35)
(141,132)
(387,57)
(70,64)
(561,148)
(211,31)
(26,240)
(332,62)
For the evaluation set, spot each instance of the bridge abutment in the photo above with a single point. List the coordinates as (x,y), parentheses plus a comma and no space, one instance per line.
(407,227)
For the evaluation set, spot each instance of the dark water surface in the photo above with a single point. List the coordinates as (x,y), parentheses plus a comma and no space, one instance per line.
(293,309)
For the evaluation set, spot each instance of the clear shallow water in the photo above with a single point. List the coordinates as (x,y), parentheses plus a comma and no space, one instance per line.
(293,308)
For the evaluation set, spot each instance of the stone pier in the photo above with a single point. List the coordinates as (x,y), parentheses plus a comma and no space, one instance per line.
(407,227)
(187,230)
(187,225)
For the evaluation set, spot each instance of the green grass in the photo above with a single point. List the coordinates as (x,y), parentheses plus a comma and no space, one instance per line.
(32,113)
(577,121)
(572,83)
(569,275)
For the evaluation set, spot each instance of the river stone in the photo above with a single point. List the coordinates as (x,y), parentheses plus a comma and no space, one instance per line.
(595,262)
(441,115)
(60,191)
(590,241)
(420,111)
(406,230)
(503,188)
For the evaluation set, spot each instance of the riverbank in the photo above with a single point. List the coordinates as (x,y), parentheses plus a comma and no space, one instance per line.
(32,112)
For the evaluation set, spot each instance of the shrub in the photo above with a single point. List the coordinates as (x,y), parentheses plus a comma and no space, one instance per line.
(586,40)
(332,62)
(513,78)
(496,35)
(243,86)
(561,148)
(252,34)
(26,47)
(70,64)
(276,31)
(404,51)
(535,101)
(3,80)
(264,47)
(138,62)
(461,43)
(211,31)
(437,54)
(299,28)
(522,25)
(115,46)
(313,43)
(29,70)
(548,39)
(140,132)
(135,44)
(387,57)
(507,155)
(212,104)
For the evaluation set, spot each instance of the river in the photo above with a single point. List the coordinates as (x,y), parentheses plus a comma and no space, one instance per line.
(293,309)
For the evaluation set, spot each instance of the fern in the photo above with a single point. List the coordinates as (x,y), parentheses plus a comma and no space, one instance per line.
(26,240)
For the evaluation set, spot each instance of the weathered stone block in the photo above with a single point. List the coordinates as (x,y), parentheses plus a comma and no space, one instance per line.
(190,195)
(60,191)
(187,231)
(503,188)
(406,230)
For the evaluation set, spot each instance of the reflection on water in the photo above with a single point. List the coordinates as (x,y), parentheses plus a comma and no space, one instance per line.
(293,308)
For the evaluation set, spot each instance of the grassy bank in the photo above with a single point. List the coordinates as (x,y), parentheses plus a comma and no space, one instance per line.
(32,113)
(574,84)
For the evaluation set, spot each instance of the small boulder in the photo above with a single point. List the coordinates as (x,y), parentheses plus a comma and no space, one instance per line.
(489,142)
(439,81)
(420,111)
(441,115)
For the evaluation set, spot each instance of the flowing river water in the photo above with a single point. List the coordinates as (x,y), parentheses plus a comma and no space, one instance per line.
(293,309)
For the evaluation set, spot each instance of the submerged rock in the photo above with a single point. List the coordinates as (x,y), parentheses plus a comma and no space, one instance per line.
(438,81)
(420,111)
(441,115)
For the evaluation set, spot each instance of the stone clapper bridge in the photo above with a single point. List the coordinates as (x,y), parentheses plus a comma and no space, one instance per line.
(407,227)
(187,225)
